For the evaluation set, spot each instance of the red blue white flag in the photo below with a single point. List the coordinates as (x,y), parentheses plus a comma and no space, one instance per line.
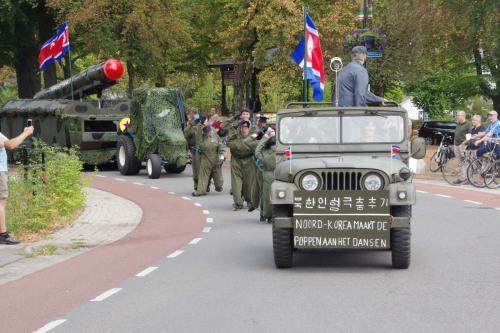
(395,150)
(55,47)
(288,153)
(315,69)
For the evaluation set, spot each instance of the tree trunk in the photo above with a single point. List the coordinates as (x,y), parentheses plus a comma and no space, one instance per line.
(131,78)
(49,75)
(239,87)
(28,78)
(496,102)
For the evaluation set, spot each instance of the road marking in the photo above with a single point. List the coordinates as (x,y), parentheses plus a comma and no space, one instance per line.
(497,208)
(175,254)
(155,188)
(101,176)
(50,326)
(206,212)
(210,220)
(146,271)
(197,204)
(120,179)
(423,192)
(106,294)
(186,198)
(140,184)
(443,196)
(207,229)
(195,241)
(473,202)
(171,192)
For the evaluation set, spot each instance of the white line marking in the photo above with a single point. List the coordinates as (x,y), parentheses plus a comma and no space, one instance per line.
(140,184)
(101,176)
(206,212)
(210,220)
(195,241)
(50,326)
(146,271)
(497,208)
(175,254)
(423,192)
(171,192)
(473,202)
(120,179)
(106,294)
(443,196)
(197,204)
(155,188)
(186,198)
(207,229)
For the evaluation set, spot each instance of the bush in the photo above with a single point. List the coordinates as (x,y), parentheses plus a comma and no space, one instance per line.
(45,198)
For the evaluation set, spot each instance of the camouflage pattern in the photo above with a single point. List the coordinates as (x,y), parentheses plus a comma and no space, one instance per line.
(90,127)
(156,123)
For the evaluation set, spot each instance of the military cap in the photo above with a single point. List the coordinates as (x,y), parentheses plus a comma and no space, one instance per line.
(359,50)
(245,110)
(244,123)
(263,119)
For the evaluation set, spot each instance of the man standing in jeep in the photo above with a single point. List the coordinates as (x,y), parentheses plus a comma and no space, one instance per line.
(353,81)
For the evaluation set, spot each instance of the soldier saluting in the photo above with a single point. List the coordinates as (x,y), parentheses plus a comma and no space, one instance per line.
(353,81)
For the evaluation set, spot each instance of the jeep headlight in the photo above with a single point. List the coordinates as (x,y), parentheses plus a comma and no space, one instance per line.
(310,182)
(373,182)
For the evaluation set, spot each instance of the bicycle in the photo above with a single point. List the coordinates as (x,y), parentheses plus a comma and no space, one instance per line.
(442,155)
(455,170)
(480,168)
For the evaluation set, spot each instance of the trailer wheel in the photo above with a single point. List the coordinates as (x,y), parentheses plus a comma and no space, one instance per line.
(153,166)
(128,164)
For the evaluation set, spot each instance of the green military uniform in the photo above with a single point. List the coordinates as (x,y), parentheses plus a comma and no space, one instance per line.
(210,150)
(230,128)
(193,133)
(267,158)
(242,168)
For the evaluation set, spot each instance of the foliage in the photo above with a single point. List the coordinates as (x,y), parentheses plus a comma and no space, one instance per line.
(40,198)
(206,96)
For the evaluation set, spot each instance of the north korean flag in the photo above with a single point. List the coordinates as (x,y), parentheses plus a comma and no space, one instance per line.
(315,70)
(55,47)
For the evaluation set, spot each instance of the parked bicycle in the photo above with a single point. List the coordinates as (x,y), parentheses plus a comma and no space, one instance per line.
(455,169)
(443,154)
(482,172)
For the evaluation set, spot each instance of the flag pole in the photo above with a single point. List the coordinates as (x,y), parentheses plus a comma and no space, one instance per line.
(70,73)
(305,56)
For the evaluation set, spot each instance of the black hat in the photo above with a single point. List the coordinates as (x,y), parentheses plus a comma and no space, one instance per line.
(263,119)
(244,123)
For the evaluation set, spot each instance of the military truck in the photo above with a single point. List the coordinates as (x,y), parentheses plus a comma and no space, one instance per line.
(154,133)
(62,117)
(342,180)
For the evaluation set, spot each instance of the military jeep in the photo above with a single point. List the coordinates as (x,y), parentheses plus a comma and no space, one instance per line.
(342,180)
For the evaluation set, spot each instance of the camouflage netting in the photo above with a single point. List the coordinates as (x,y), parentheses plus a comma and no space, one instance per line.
(156,123)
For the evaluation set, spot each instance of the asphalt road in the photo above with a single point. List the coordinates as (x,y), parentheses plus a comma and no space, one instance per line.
(227,281)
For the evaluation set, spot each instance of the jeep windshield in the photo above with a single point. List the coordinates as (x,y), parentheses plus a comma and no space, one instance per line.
(340,129)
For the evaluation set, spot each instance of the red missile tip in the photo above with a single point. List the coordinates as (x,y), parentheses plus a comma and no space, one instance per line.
(113,69)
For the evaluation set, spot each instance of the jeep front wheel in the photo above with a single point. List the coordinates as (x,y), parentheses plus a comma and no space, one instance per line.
(128,164)
(401,239)
(282,239)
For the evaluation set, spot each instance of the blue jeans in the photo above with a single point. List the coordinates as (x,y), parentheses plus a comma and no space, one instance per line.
(487,147)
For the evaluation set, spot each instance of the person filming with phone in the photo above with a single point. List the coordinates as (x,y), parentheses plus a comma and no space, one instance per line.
(6,143)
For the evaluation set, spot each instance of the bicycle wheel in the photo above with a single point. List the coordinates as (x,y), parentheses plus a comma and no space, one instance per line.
(492,177)
(475,174)
(434,162)
(454,171)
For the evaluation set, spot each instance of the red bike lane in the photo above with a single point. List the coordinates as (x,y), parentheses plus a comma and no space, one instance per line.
(168,223)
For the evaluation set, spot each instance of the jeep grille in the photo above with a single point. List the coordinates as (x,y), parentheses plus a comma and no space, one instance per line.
(341,181)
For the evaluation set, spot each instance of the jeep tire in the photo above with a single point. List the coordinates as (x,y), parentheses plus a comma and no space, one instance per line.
(153,166)
(127,162)
(401,239)
(282,240)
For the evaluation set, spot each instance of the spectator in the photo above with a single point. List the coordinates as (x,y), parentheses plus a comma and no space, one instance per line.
(477,127)
(5,143)
(463,127)
(213,116)
(491,132)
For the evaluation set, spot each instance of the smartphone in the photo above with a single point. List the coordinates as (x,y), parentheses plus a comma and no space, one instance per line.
(29,123)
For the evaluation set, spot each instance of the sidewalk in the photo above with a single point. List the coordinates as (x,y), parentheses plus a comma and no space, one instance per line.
(106,218)
(443,183)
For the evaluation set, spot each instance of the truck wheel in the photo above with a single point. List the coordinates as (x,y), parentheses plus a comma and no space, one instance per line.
(282,240)
(401,239)
(153,166)
(174,168)
(128,164)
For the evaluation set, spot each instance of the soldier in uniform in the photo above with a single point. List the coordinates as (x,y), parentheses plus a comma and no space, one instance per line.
(193,133)
(353,81)
(257,184)
(266,154)
(242,147)
(211,151)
